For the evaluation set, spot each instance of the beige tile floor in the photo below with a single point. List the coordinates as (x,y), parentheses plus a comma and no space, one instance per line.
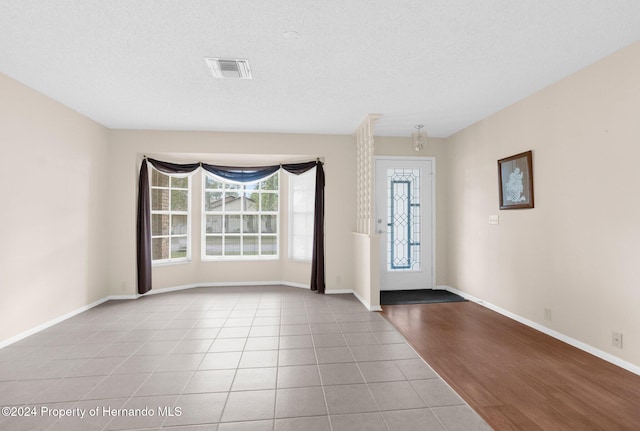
(239,358)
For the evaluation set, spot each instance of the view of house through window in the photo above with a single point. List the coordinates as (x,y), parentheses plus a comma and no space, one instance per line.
(169,217)
(240,220)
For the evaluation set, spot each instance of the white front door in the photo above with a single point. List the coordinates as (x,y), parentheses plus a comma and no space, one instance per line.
(404,219)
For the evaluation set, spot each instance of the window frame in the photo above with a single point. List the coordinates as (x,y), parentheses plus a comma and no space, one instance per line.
(171,260)
(241,213)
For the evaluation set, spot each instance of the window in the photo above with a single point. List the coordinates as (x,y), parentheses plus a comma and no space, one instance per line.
(301,213)
(240,220)
(170,218)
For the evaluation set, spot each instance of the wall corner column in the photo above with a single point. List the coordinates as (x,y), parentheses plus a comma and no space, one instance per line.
(367,285)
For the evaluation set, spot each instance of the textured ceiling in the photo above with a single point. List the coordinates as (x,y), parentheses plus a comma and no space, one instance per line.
(442,63)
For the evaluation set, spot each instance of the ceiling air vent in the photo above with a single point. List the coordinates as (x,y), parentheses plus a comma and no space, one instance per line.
(234,68)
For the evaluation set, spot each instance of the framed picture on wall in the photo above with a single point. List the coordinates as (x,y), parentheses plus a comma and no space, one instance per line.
(515,177)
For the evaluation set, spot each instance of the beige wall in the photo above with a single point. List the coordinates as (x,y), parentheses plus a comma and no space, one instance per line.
(366,285)
(125,152)
(578,251)
(54,182)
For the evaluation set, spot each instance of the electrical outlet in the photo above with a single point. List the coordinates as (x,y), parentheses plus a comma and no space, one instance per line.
(616,339)
(547,314)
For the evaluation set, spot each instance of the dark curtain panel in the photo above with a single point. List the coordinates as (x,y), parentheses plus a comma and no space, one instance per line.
(238,174)
(300,168)
(143,231)
(317,262)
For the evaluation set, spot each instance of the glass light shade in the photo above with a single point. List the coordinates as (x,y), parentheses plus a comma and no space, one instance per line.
(419,138)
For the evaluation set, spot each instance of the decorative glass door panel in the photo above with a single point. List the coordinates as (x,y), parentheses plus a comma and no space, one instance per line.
(404,222)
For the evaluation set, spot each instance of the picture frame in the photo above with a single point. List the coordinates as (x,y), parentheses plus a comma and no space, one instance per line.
(515,180)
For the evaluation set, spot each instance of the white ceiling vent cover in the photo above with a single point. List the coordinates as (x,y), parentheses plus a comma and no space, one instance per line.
(234,68)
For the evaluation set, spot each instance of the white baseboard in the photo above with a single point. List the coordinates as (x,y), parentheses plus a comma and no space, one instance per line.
(300,285)
(122,297)
(365,303)
(50,323)
(338,291)
(552,333)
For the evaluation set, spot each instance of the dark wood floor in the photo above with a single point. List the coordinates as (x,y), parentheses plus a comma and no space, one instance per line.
(515,377)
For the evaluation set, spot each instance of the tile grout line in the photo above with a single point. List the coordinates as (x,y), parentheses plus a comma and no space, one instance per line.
(235,371)
(315,352)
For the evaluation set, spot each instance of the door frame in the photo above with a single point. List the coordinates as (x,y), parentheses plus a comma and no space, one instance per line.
(432,159)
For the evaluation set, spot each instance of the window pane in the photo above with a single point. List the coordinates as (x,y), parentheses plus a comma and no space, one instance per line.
(210,183)
(169,216)
(302,202)
(160,199)
(301,247)
(178,247)
(232,223)
(213,246)
(302,223)
(250,223)
(214,224)
(213,201)
(179,200)
(180,183)
(250,245)
(160,248)
(159,179)
(232,245)
(179,225)
(232,202)
(269,245)
(270,183)
(159,224)
(269,202)
(269,224)
(251,201)
(231,186)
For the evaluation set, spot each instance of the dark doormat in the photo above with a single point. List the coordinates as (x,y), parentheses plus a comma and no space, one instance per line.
(419,296)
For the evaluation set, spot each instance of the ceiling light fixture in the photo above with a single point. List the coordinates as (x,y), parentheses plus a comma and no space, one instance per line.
(419,138)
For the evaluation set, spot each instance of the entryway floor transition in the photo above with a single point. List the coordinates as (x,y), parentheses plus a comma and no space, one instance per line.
(418,296)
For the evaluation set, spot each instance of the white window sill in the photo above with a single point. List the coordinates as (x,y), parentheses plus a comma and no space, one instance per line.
(240,259)
(171,262)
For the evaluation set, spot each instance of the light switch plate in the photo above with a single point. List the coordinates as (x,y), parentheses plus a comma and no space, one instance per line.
(494,219)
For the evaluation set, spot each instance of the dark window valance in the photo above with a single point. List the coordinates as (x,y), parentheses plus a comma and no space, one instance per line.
(241,175)
(237,174)
(173,168)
